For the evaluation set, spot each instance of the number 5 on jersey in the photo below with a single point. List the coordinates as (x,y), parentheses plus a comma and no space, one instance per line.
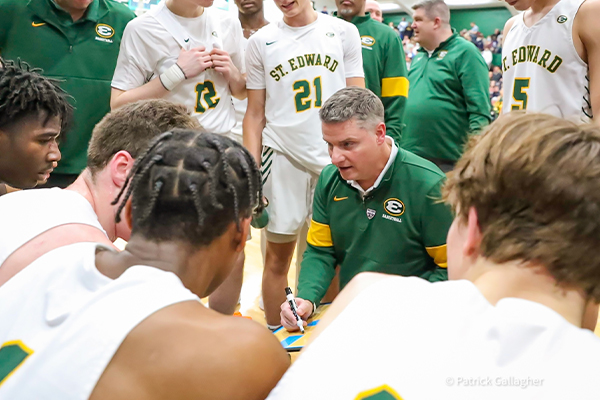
(303,94)
(520,93)
(206,91)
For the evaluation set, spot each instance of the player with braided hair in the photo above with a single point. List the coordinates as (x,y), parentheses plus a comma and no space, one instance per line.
(189,203)
(34,110)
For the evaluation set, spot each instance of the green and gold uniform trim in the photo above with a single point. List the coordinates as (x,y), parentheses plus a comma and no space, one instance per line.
(12,356)
(319,235)
(439,255)
(391,87)
(383,392)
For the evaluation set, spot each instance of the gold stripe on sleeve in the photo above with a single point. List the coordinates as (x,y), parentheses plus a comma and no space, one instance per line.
(391,87)
(438,253)
(319,235)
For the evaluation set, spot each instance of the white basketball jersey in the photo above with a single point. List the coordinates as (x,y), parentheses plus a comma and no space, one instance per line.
(26,214)
(542,70)
(406,338)
(151,45)
(62,321)
(300,68)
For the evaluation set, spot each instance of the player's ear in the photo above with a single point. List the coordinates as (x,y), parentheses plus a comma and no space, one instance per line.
(242,234)
(473,241)
(120,165)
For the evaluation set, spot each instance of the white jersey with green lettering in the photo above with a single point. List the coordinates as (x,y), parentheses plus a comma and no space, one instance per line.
(151,44)
(300,68)
(542,70)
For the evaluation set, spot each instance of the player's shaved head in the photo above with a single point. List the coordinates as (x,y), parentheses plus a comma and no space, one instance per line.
(435,9)
(533,182)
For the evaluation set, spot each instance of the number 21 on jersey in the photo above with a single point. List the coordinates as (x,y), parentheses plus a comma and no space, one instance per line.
(520,93)
(303,97)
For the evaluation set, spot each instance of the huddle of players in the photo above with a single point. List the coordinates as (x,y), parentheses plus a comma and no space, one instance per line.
(168,175)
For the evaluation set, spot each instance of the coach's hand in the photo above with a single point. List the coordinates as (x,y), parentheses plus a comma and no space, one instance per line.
(223,64)
(287,316)
(193,61)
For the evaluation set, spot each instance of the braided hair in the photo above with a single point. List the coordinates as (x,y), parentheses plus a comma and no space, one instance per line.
(25,92)
(190,186)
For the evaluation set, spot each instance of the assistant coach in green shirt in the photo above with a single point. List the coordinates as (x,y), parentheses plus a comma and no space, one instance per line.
(449,89)
(77,42)
(375,209)
(383,62)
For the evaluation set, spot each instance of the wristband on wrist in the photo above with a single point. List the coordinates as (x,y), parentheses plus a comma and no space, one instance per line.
(172,77)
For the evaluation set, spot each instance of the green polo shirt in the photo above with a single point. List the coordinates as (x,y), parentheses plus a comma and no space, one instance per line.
(82,54)
(398,228)
(448,99)
(385,70)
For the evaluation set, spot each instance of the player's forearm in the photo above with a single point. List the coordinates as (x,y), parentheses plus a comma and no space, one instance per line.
(316,273)
(237,85)
(253,126)
(151,90)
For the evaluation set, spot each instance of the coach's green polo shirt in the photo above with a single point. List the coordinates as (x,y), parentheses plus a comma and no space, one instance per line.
(82,54)
(397,228)
(447,101)
(385,69)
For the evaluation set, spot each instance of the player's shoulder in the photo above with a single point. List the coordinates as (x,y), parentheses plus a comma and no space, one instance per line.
(195,340)
(118,10)
(145,25)
(510,23)
(267,32)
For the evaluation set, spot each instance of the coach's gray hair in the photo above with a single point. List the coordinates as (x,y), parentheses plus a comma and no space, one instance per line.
(353,102)
(433,9)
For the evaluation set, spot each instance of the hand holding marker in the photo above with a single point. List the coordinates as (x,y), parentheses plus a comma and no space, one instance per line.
(294,307)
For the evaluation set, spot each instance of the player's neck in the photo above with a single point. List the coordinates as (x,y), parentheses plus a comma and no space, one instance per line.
(541,7)
(98,194)
(528,282)
(350,17)
(184,8)
(252,22)
(190,264)
(306,17)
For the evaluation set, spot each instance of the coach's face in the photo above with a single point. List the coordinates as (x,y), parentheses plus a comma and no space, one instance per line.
(29,151)
(348,9)
(355,150)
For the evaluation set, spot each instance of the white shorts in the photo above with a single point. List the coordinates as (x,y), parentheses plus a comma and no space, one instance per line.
(289,187)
